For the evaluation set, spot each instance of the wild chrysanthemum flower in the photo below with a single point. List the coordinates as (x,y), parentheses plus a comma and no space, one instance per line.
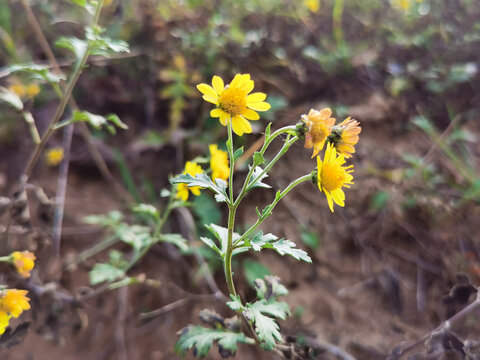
(14,302)
(219,163)
(23,91)
(191,168)
(234,102)
(4,321)
(344,136)
(54,156)
(24,262)
(332,176)
(319,124)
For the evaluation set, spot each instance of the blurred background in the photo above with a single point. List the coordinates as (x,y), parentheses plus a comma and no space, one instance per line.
(383,266)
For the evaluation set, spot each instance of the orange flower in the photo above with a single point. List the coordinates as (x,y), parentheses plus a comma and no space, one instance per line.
(319,125)
(345,136)
(14,302)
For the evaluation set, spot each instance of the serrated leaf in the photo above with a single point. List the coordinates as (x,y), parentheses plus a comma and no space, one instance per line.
(175,239)
(267,329)
(104,45)
(204,181)
(98,121)
(105,272)
(260,240)
(269,287)
(283,247)
(75,45)
(237,154)
(256,179)
(112,219)
(258,158)
(138,237)
(10,98)
(236,303)
(278,309)
(201,340)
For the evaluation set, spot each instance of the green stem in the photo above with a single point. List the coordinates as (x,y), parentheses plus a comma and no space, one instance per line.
(232,209)
(5,258)
(279,197)
(63,104)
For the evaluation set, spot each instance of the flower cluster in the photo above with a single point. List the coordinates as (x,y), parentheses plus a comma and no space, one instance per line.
(219,163)
(12,303)
(332,175)
(25,91)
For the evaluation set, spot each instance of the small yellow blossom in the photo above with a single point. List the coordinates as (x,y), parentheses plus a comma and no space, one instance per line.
(191,168)
(23,91)
(332,176)
(32,90)
(219,163)
(54,156)
(319,124)
(14,302)
(18,89)
(24,262)
(345,136)
(312,5)
(4,320)
(405,5)
(233,102)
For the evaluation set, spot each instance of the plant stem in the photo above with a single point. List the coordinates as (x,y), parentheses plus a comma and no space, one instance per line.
(232,209)
(273,204)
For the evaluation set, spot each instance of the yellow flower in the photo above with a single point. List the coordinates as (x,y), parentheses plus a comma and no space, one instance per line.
(345,136)
(332,176)
(312,5)
(4,320)
(14,302)
(191,168)
(319,125)
(233,102)
(219,163)
(24,262)
(54,156)
(32,90)
(18,89)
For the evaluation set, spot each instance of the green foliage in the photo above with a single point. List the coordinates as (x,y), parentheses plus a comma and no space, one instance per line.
(310,239)
(204,181)
(201,339)
(256,179)
(10,98)
(111,271)
(97,121)
(282,246)
(37,72)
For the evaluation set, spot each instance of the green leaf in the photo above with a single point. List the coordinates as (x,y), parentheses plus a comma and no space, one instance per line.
(258,158)
(175,239)
(379,200)
(254,270)
(267,329)
(10,98)
(39,72)
(147,209)
(201,340)
(278,309)
(112,219)
(103,45)
(202,180)
(105,272)
(75,45)
(138,237)
(282,246)
(211,244)
(236,303)
(237,154)
(256,179)
(85,4)
(268,130)
(221,234)
(98,121)
(310,239)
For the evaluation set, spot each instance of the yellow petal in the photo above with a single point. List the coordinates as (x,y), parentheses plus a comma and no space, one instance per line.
(250,114)
(259,106)
(216,112)
(256,97)
(218,84)
(329,200)
(207,90)
(224,118)
(338,196)
(241,126)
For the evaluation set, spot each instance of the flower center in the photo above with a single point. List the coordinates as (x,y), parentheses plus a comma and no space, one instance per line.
(332,176)
(233,101)
(319,132)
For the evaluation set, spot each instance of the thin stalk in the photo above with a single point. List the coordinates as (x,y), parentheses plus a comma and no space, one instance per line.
(230,155)
(273,204)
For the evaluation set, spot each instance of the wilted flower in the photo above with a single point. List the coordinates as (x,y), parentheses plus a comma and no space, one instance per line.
(344,136)
(54,156)
(319,124)
(219,163)
(24,262)
(191,168)
(233,102)
(332,176)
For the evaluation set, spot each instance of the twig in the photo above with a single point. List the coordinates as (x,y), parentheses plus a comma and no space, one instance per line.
(398,353)
(122,352)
